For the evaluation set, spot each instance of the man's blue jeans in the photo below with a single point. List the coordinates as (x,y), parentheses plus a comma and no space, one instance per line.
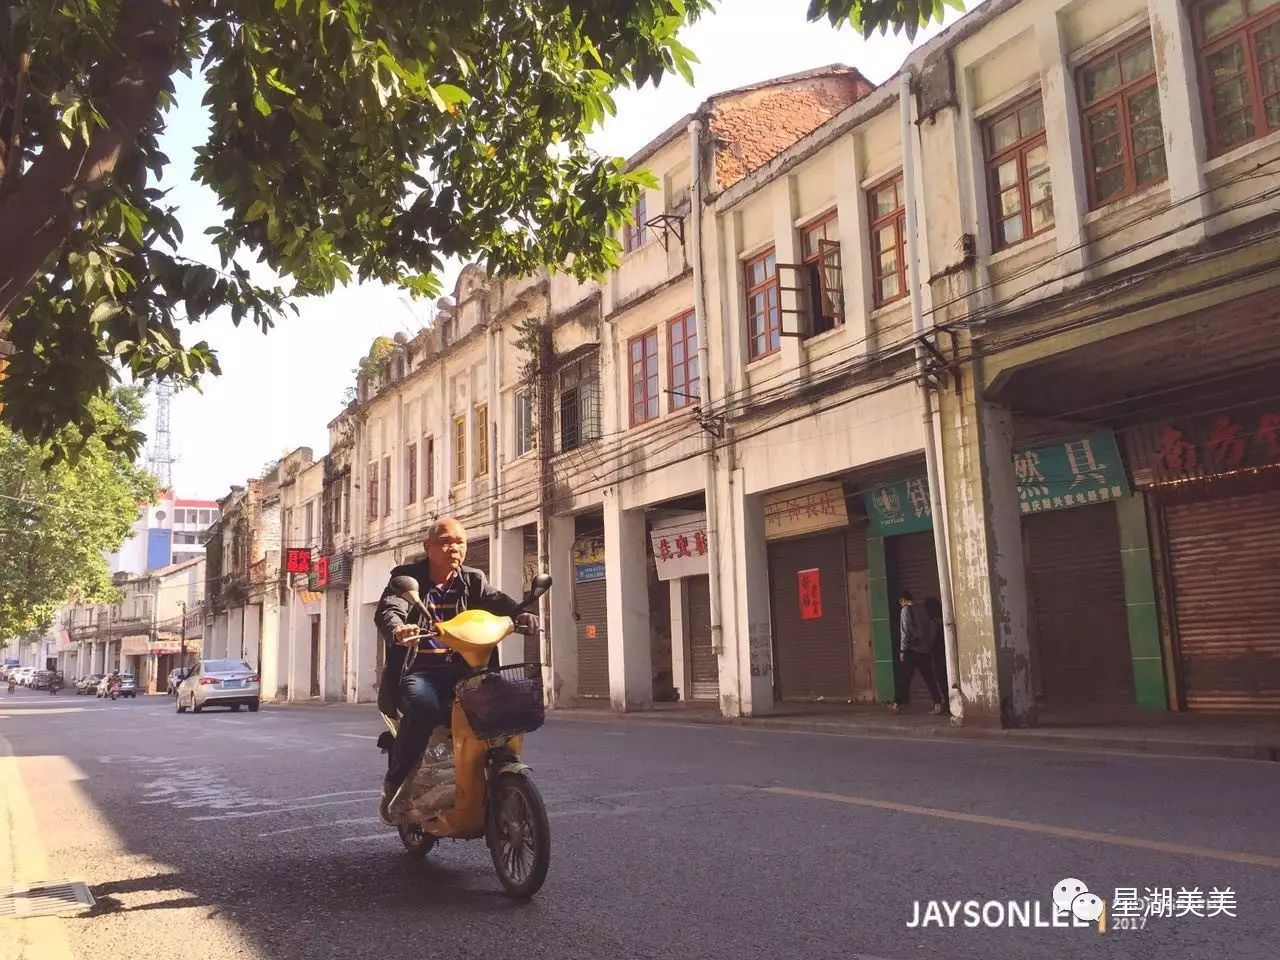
(426,696)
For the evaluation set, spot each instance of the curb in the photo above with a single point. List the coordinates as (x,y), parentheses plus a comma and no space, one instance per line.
(1154,746)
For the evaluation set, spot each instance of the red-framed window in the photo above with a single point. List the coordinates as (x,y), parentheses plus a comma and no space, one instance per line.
(386,486)
(411,474)
(642,354)
(1123,137)
(764,313)
(633,233)
(684,378)
(1239,50)
(821,273)
(1018,173)
(888,212)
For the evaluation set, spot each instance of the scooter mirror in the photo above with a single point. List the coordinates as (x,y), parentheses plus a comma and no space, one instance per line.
(540,585)
(406,587)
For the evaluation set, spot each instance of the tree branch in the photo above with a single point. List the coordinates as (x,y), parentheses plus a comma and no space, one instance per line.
(39,214)
(12,168)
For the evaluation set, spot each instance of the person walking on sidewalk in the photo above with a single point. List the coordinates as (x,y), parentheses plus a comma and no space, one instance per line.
(915,652)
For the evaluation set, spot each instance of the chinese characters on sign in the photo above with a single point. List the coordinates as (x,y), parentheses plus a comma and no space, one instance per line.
(810,584)
(297,560)
(899,507)
(680,546)
(1212,445)
(1071,472)
(588,560)
(805,509)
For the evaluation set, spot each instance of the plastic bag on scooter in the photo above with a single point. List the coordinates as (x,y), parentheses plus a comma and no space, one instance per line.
(431,785)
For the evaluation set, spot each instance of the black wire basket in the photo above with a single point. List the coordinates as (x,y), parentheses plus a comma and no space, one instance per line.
(503,702)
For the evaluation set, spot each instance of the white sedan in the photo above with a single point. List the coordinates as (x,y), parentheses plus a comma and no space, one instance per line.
(220,683)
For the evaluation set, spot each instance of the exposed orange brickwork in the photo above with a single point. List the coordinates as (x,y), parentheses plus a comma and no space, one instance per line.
(752,127)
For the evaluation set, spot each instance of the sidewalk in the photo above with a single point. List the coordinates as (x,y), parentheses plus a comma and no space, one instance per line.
(1124,730)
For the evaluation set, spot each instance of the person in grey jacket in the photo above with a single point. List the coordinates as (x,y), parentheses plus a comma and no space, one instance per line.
(915,652)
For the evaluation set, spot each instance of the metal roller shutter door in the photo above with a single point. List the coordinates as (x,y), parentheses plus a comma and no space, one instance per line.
(812,657)
(1224,557)
(704,671)
(913,566)
(593,653)
(1079,621)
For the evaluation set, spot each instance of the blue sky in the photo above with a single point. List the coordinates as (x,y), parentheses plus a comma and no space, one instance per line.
(279,391)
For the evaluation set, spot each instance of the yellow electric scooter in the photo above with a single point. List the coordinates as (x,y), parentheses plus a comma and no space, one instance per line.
(491,794)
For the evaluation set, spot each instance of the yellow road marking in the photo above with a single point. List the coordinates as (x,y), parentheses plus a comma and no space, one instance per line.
(1029,826)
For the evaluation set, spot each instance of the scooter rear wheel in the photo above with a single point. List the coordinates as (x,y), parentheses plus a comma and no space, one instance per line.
(417,841)
(519,835)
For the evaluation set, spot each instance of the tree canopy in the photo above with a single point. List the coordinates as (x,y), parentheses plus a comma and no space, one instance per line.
(349,139)
(56,520)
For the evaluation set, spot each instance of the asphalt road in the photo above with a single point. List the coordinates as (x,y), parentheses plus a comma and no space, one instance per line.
(255,836)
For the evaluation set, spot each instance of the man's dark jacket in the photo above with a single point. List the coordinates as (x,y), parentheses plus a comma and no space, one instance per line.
(394,611)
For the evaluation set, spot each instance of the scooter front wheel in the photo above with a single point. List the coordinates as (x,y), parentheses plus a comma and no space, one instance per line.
(519,835)
(416,840)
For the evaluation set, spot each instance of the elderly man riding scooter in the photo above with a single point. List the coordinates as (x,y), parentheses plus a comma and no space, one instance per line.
(420,674)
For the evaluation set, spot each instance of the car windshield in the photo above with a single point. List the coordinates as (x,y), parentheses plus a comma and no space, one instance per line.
(225,666)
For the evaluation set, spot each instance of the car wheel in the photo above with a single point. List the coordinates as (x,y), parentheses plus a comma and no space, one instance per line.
(235,708)
(253,706)
(181,708)
(195,707)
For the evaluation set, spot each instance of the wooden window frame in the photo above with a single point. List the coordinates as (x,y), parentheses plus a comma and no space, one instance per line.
(815,271)
(480,429)
(1242,33)
(633,233)
(525,437)
(411,474)
(763,287)
(386,482)
(898,219)
(428,466)
(459,449)
(1018,150)
(1118,98)
(679,390)
(652,401)
(371,505)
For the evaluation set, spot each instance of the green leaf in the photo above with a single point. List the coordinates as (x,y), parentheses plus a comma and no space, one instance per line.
(260,103)
(451,95)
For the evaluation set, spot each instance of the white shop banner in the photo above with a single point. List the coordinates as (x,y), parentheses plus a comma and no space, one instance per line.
(680,546)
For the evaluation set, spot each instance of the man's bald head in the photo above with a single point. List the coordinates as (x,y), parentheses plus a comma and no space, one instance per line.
(446,547)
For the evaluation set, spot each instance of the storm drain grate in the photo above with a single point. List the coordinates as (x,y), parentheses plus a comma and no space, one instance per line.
(47,897)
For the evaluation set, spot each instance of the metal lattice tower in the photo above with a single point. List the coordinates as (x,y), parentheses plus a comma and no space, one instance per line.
(161,461)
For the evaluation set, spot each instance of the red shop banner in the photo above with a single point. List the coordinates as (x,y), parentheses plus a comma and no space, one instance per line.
(810,582)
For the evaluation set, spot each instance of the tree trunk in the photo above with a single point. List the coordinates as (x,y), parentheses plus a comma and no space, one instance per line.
(38,206)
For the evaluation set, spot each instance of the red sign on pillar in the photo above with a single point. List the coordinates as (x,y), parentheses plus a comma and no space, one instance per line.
(810,594)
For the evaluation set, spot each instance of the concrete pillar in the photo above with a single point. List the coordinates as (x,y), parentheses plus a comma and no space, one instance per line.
(1181,115)
(882,610)
(362,665)
(218,642)
(235,634)
(334,633)
(562,675)
(253,635)
(300,654)
(754,633)
(679,638)
(627,579)
(988,577)
(1066,159)
(855,227)
(507,558)
(274,666)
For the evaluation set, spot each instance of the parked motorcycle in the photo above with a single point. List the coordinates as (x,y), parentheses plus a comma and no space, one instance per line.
(113,690)
(471,782)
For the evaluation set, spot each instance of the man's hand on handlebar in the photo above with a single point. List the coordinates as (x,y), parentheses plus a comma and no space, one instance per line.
(527,623)
(407,634)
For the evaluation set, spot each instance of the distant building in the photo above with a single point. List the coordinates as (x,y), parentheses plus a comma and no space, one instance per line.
(169,531)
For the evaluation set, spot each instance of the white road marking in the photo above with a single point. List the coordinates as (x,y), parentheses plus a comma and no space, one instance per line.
(313,827)
(358,736)
(274,810)
(371,836)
